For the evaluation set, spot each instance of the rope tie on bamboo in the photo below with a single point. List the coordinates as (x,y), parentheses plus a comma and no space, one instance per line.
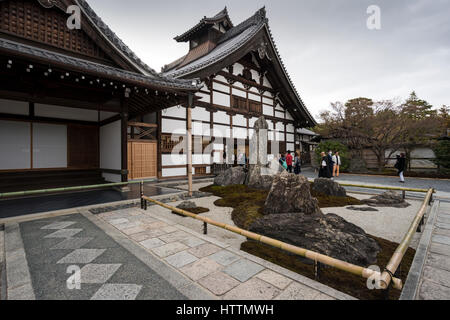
(389,273)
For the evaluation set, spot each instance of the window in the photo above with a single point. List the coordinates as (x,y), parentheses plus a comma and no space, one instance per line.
(255,106)
(239,103)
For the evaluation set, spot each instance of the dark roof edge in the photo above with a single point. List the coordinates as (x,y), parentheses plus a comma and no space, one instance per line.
(218,17)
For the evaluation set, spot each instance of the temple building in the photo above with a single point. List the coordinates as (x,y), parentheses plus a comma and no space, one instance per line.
(68,99)
(245,78)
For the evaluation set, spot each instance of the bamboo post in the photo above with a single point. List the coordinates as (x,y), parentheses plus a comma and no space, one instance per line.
(141,187)
(189,142)
(396,259)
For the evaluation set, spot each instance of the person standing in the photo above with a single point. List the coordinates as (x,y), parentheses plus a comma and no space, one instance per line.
(323,171)
(401,166)
(336,164)
(289,161)
(297,163)
(330,163)
(282,161)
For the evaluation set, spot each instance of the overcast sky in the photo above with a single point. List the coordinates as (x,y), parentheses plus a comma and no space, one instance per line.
(327,48)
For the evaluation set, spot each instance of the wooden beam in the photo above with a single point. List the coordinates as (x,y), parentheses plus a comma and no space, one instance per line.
(124,138)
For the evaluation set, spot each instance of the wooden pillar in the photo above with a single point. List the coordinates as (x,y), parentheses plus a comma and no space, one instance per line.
(189,142)
(124,139)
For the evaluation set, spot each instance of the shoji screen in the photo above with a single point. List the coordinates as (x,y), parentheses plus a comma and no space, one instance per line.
(15,144)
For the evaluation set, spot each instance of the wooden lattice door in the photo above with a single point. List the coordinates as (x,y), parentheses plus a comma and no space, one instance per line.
(142,160)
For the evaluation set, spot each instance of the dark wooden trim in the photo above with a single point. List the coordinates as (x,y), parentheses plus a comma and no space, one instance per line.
(18,117)
(113,171)
(124,138)
(158,147)
(105,122)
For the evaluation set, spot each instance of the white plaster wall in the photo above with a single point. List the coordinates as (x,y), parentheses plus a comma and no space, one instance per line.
(290,137)
(279,107)
(51,111)
(279,126)
(279,136)
(201,159)
(290,128)
(174,172)
(173,126)
(255,75)
(290,146)
(268,101)
(221,99)
(254,90)
(201,129)
(239,93)
(221,131)
(176,112)
(266,82)
(239,120)
(288,116)
(173,159)
(221,87)
(268,111)
(15,143)
(254,97)
(220,78)
(237,69)
(110,146)
(221,117)
(239,133)
(239,85)
(279,114)
(14,107)
(199,113)
(251,122)
(49,146)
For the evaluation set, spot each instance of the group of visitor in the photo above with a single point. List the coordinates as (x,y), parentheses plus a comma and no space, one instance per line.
(330,165)
(290,163)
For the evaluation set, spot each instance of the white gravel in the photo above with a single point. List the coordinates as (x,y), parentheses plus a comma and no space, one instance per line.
(387,223)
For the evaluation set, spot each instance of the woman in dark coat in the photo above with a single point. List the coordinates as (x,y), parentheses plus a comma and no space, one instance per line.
(297,164)
(400,165)
(323,171)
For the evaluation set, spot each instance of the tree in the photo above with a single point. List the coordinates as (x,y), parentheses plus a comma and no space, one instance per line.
(442,153)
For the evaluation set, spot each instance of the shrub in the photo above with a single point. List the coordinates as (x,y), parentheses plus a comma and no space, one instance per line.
(442,153)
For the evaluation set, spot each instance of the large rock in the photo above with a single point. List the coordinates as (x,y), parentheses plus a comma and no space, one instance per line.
(291,193)
(327,234)
(186,205)
(235,175)
(329,187)
(387,199)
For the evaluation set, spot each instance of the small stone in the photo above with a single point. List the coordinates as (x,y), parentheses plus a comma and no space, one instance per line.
(186,205)
(361,208)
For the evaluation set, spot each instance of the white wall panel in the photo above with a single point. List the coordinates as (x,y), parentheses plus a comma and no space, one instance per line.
(15,143)
(268,111)
(239,120)
(203,96)
(290,128)
(174,172)
(279,114)
(50,111)
(221,131)
(110,146)
(254,97)
(199,113)
(173,126)
(290,146)
(266,82)
(220,78)
(279,136)
(176,112)
(201,129)
(254,90)
(251,122)
(173,159)
(280,126)
(221,87)
(14,107)
(288,116)
(268,101)
(49,146)
(221,117)
(239,85)
(201,159)
(290,137)
(239,93)
(239,133)
(221,99)
(237,69)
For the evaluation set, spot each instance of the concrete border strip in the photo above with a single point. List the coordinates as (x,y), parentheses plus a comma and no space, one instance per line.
(411,286)
(188,288)
(19,286)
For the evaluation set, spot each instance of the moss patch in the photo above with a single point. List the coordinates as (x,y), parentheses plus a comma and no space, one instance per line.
(248,203)
(197,210)
(337,279)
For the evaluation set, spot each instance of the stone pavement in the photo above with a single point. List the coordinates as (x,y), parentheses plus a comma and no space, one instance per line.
(134,254)
(429,277)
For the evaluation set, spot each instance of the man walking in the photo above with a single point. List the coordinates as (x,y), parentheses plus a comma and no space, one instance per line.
(400,165)
(337,164)
(330,164)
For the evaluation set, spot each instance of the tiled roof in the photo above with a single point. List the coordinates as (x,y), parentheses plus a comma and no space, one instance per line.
(222,15)
(80,65)
(230,42)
